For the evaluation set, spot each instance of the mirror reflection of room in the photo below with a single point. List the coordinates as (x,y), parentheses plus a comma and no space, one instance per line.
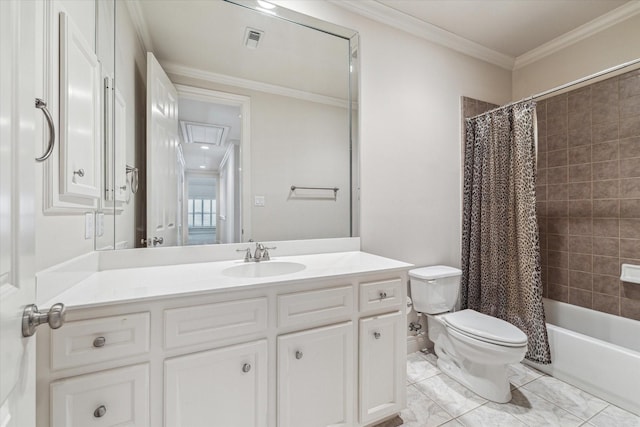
(222,121)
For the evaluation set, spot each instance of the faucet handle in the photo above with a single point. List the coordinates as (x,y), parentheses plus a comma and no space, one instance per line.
(265,253)
(247,254)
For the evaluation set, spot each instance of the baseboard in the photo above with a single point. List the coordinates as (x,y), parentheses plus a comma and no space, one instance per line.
(416,343)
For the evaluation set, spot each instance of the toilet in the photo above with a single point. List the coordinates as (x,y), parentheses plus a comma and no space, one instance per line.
(472,348)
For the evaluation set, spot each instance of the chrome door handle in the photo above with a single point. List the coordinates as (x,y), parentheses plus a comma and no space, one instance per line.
(158,241)
(31,318)
(41,105)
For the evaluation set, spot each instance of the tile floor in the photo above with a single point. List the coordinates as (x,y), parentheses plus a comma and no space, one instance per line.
(433,399)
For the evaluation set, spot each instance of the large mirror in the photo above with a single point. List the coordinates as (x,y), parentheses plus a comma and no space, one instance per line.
(233,122)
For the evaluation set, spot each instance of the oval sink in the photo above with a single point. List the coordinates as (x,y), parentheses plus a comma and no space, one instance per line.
(263,269)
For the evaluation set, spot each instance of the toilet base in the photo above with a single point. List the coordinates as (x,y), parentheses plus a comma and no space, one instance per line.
(488,381)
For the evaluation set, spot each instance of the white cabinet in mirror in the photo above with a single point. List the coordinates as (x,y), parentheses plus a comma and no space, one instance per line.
(252,120)
(73,69)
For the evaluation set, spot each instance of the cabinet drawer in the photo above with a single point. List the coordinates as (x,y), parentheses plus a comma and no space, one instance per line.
(315,306)
(210,322)
(383,294)
(99,340)
(116,397)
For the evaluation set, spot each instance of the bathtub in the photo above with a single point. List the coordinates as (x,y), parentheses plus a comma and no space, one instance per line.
(596,352)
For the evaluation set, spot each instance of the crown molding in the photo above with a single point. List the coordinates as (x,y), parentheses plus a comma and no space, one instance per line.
(140,25)
(378,12)
(589,29)
(181,70)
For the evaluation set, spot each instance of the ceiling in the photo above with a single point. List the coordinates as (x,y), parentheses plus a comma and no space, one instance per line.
(511,27)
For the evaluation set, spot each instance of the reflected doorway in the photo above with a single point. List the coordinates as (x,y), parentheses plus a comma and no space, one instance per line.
(201,210)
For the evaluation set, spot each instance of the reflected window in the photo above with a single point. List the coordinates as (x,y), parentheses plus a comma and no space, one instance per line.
(201,213)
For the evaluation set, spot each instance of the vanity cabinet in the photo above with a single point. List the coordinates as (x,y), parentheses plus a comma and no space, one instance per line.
(315,377)
(226,386)
(312,353)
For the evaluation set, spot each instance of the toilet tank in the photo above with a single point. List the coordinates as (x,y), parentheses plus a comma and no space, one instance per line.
(434,289)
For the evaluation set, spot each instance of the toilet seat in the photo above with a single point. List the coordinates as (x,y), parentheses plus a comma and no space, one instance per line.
(485,328)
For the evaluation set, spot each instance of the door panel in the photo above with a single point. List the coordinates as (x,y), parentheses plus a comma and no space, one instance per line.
(17,173)
(162,155)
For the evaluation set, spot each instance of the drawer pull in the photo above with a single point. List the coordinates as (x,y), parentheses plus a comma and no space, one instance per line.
(99,342)
(298,355)
(377,335)
(246,368)
(383,295)
(100,411)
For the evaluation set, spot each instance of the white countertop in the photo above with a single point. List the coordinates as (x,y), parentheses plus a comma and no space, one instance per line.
(144,283)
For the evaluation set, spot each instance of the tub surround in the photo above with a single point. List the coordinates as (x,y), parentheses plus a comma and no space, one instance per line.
(321,346)
(588,192)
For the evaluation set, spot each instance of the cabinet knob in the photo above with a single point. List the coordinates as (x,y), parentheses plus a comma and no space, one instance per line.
(377,335)
(298,355)
(246,368)
(100,411)
(383,295)
(99,342)
(79,172)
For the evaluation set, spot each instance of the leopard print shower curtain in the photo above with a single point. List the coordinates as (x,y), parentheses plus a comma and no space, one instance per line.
(500,246)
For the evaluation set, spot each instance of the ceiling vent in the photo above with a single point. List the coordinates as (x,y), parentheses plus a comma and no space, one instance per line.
(252,37)
(204,133)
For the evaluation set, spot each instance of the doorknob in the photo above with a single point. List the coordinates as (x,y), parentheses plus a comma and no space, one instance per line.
(158,241)
(31,318)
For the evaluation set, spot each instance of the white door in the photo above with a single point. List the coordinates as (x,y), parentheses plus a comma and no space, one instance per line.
(382,366)
(17,173)
(315,377)
(222,387)
(162,156)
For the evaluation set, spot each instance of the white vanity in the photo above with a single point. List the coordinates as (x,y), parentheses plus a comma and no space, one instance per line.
(200,345)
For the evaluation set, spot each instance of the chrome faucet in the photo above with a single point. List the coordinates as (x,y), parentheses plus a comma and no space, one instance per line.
(261,253)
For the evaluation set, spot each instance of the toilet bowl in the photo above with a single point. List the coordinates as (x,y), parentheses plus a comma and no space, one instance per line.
(472,348)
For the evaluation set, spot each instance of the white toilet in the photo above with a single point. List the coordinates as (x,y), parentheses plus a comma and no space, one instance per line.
(472,348)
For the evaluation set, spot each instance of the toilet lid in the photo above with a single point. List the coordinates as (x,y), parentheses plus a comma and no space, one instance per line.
(485,328)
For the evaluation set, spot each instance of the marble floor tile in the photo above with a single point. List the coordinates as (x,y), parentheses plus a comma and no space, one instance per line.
(432,358)
(419,368)
(489,416)
(612,416)
(452,423)
(422,411)
(450,395)
(521,374)
(569,398)
(533,410)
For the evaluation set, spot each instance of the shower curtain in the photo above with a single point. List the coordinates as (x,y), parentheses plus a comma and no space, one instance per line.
(500,245)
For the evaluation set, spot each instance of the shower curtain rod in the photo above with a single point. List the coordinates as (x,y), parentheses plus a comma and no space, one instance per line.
(565,86)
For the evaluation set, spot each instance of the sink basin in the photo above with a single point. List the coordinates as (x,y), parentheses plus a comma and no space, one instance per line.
(263,269)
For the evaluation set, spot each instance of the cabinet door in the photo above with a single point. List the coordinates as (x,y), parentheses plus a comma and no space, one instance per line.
(117,397)
(315,377)
(79,113)
(223,387)
(382,366)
